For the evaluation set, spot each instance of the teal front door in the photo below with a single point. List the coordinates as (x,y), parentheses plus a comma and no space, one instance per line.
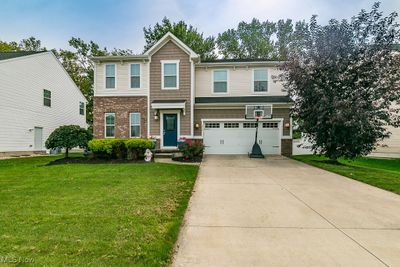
(170,126)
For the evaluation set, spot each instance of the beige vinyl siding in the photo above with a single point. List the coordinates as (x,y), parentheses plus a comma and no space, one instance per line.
(240,82)
(123,80)
(22,81)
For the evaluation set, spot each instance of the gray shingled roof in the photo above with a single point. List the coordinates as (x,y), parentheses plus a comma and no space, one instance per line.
(8,55)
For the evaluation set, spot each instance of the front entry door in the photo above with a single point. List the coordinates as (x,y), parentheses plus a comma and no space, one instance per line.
(170,127)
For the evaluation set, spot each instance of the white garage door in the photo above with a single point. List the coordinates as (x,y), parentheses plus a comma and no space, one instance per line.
(238,137)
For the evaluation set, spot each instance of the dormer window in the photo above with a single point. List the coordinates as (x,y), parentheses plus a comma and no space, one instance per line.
(170,74)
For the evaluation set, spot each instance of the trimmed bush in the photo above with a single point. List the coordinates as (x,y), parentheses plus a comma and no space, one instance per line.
(191,149)
(131,149)
(137,147)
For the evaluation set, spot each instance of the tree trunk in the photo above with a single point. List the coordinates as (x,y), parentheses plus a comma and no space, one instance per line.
(66,152)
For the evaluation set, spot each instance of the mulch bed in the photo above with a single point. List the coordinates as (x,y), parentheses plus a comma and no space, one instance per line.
(93,161)
(182,159)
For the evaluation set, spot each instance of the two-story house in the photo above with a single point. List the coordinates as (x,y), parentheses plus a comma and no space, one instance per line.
(168,93)
(36,96)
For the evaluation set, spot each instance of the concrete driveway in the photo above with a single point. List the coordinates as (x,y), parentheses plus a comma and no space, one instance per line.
(280,212)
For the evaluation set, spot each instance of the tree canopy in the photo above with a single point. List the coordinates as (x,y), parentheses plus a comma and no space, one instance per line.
(345,78)
(204,46)
(68,136)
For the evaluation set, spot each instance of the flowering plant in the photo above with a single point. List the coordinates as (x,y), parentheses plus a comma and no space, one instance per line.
(191,148)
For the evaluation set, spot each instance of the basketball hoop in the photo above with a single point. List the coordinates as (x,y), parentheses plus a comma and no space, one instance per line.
(257,112)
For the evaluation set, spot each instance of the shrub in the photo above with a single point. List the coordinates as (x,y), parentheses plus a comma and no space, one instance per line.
(120,148)
(137,147)
(68,136)
(191,149)
(101,147)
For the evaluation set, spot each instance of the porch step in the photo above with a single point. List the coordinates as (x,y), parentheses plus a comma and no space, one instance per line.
(163,155)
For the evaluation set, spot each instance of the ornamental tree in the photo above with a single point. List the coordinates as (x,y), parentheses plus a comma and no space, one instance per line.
(344,78)
(68,136)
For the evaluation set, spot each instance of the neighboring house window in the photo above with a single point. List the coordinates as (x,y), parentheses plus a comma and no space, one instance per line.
(109,124)
(46,98)
(81,108)
(220,80)
(170,74)
(110,75)
(260,80)
(135,75)
(134,120)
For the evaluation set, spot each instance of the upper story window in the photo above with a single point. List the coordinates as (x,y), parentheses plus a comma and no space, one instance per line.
(46,98)
(220,81)
(260,80)
(109,123)
(170,74)
(81,108)
(110,75)
(135,75)
(134,121)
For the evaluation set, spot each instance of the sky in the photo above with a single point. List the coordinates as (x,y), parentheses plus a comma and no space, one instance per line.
(119,23)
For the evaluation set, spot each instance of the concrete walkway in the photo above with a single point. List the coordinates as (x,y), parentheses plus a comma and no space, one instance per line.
(280,212)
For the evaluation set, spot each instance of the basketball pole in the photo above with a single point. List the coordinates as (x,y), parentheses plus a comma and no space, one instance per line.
(256,150)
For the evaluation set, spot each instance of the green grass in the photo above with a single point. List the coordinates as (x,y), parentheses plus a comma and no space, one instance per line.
(92,214)
(382,173)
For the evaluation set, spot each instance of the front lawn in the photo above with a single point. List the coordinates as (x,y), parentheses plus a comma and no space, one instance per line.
(91,214)
(382,173)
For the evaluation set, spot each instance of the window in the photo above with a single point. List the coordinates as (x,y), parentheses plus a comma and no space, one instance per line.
(109,124)
(134,122)
(170,74)
(220,80)
(110,75)
(212,124)
(270,125)
(260,80)
(249,125)
(81,108)
(231,125)
(135,75)
(46,98)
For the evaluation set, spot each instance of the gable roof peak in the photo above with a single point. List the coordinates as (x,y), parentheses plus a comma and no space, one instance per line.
(171,37)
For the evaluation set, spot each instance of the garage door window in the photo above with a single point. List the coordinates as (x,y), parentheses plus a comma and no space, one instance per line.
(270,125)
(212,125)
(231,125)
(249,125)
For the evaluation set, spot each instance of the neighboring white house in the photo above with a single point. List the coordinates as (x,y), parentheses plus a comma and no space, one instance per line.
(36,96)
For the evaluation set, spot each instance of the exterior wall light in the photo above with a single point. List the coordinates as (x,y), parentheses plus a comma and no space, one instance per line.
(287,125)
(156,115)
(197,126)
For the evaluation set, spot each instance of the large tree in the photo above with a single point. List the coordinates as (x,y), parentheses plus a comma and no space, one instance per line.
(344,78)
(249,40)
(204,46)
(28,44)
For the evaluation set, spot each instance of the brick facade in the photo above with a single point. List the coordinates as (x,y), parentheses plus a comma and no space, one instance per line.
(121,106)
(286,147)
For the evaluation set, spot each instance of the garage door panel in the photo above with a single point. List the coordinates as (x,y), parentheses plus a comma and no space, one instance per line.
(240,140)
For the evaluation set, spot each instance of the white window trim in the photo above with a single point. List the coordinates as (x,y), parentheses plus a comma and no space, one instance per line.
(130,125)
(130,76)
(252,81)
(177,74)
(105,124)
(105,76)
(50,98)
(227,82)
